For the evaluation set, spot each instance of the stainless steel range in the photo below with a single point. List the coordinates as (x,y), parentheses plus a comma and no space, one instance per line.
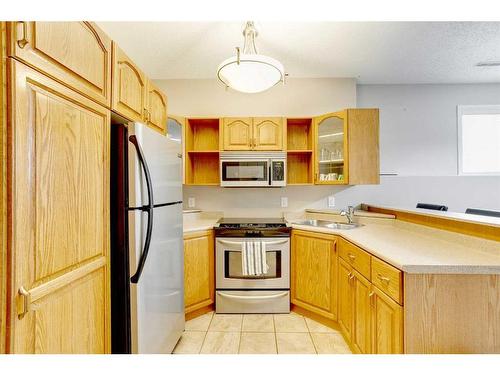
(260,241)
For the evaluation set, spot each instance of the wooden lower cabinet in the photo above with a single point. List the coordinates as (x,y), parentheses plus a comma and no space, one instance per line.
(354,308)
(361,330)
(59,249)
(370,320)
(345,310)
(199,280)
(386,324)
(314,273)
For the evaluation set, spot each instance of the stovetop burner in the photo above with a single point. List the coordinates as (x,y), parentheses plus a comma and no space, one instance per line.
(252,227)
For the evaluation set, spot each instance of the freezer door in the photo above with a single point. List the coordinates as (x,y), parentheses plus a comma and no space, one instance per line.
(157,300)
(163,157)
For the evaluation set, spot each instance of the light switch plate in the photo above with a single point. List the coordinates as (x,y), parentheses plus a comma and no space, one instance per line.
(331,201)
(284,202)
(191,202)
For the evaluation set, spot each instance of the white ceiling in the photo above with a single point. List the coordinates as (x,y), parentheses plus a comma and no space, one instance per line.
(372,52)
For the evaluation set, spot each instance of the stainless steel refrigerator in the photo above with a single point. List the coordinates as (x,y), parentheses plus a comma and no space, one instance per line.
(147,291)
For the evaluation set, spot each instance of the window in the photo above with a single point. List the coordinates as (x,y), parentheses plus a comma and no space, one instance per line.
(479,140)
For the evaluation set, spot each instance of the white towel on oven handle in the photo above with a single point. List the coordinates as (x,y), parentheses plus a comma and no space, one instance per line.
(258,258)
(244,259)
(263,258)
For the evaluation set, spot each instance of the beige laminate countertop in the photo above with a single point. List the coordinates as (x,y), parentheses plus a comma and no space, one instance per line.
(199,225)
(416,249)
(195,220)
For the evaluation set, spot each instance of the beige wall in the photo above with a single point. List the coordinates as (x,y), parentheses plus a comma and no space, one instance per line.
(299,97)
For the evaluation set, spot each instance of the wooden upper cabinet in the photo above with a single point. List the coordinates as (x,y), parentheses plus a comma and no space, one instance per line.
(346,147)
(268,134)
(156,108)
(386,325)
(314,273)
(60,218)
(77,54)
(237,133)
(129,87)
(253,134)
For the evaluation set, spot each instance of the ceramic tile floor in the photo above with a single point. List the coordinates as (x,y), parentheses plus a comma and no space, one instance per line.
(259,334)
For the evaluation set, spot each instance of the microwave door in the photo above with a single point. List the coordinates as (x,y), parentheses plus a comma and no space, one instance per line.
(245,173)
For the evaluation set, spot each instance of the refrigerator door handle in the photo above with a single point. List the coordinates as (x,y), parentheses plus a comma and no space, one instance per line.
(146,208)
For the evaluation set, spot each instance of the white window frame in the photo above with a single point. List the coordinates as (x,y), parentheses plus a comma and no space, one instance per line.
(472,110)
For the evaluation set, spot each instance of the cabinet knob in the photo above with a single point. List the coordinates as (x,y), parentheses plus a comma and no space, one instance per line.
(352,257)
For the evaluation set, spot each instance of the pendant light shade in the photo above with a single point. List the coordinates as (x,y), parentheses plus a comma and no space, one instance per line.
(250,72)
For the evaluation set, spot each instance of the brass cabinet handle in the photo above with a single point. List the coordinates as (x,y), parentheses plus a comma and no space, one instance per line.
(352,257)
(351,276)
(147,115)
(370,296)
(383,278)
(22,42)
(26,296)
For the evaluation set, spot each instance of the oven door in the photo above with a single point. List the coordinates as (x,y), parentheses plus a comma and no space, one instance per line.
(229,273)
(244,172)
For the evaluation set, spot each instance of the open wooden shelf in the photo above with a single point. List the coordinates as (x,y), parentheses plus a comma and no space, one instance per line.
(202,134)
(300,151)
(202,169)
(299,134)
(202,151)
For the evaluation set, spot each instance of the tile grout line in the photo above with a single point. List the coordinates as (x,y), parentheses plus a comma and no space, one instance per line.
(241,332)
(275,335)
(206,333)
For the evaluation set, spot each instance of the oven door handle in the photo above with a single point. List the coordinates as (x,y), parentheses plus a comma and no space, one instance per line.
(272,296)
(233,243)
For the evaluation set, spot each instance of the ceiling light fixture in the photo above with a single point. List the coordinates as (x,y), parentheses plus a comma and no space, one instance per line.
(250,72)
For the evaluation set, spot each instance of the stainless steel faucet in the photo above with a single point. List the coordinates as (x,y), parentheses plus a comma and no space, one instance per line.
(349,214)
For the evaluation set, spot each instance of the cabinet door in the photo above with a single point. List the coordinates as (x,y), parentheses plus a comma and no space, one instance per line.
(331,149)
(345,298)
(156,108)
(267,133)
(60,218)
(237,133)
(387,324)
(129,87)
(76,54)
(361,334)
(198,270)
(314,269)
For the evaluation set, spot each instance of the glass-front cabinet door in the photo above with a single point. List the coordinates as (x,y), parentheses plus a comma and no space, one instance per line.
(331,149)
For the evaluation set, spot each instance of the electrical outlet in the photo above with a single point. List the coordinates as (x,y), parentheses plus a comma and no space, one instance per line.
(191,202)
(284,202)
(331,201)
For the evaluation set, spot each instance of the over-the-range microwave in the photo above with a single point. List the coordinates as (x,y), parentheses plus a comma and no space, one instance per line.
(253,169)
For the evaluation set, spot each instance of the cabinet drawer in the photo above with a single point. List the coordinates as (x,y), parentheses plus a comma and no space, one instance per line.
(356,257)
(388,279)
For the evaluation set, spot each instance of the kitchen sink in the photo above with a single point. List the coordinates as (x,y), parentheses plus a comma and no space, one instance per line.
(328,224)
